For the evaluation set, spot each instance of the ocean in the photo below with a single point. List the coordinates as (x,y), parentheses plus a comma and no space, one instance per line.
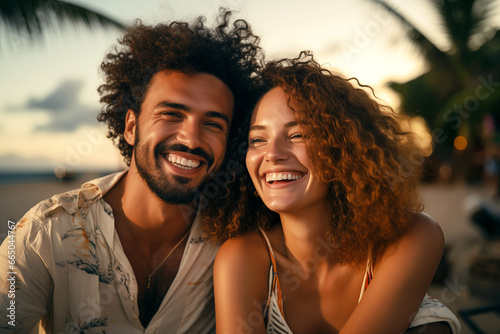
(20,191)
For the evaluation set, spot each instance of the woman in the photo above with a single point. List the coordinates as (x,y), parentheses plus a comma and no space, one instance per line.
(337,241)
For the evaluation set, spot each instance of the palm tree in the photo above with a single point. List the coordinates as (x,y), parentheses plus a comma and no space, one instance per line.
(29,18)
(461,84)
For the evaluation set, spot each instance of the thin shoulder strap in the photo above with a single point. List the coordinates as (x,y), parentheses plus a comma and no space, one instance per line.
(367,279)
(275,281)
(269,248)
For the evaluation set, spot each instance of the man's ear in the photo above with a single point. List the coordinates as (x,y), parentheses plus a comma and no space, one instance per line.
(130,126)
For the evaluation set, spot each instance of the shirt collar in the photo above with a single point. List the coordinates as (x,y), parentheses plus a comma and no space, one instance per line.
(99,187)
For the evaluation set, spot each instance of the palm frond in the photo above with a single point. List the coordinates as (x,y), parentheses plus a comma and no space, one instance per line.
(88,17)
(459,21)
(432,53)
(486,12)
(464,20)
(30,18)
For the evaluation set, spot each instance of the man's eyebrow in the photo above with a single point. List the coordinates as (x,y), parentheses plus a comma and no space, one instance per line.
(184,107)
(262,127)
(174,105)
(217,114)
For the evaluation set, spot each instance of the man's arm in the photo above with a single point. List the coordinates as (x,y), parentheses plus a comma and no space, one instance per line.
(441,327)
(26,285)
(434,317)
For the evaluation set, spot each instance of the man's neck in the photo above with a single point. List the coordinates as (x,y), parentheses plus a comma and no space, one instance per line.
(155,222)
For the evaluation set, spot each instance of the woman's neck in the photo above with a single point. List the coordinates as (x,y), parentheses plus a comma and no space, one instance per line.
(306,240)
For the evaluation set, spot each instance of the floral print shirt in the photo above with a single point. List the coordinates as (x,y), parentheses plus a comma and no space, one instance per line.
(72,275)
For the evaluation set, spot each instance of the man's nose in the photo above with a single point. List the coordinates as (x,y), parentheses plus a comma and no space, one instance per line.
(189,134)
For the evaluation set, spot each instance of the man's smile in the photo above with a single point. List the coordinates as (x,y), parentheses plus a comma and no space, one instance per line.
(182,162)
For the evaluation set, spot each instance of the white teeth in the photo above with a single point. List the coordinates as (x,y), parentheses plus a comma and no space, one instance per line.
(282,176)
(183,162)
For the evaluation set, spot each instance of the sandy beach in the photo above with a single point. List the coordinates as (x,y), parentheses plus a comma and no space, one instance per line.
(447,203)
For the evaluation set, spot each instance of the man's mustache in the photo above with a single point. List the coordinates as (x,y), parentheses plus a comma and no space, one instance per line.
(183,148)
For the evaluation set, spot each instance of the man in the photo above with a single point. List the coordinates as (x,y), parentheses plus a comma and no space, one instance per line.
(126,253)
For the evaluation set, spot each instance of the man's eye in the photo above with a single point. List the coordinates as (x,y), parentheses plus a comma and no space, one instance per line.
(172,114)
(215,125)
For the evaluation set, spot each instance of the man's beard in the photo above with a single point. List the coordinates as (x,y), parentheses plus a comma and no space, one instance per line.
(176,191)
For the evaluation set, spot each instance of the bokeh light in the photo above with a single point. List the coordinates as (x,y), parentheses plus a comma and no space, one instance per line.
(460,143)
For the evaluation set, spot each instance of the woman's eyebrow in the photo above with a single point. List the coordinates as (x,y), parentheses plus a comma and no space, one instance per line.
(291,124)
(262,127)
(257,127)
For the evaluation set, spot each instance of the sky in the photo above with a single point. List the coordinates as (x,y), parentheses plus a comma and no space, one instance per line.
(48,91)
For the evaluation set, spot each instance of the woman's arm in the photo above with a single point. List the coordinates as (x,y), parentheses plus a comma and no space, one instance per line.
(241,274)
(400,280)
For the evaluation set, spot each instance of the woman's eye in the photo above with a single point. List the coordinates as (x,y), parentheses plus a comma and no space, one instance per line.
(255,140)
(296,136)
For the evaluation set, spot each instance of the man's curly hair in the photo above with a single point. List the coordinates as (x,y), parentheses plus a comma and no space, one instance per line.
(356,145)
(229,52)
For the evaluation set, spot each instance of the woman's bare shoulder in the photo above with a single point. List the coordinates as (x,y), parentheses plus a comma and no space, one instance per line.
(424,227)
(248,252)
(244,244)
(423,238)
(241,269)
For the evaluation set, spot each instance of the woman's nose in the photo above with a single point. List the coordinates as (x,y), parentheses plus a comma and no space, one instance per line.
(277,150)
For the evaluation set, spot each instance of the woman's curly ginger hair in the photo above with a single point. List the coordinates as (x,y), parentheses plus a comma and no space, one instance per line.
(356,145)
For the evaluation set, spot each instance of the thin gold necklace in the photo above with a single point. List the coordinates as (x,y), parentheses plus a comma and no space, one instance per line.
(164,259)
